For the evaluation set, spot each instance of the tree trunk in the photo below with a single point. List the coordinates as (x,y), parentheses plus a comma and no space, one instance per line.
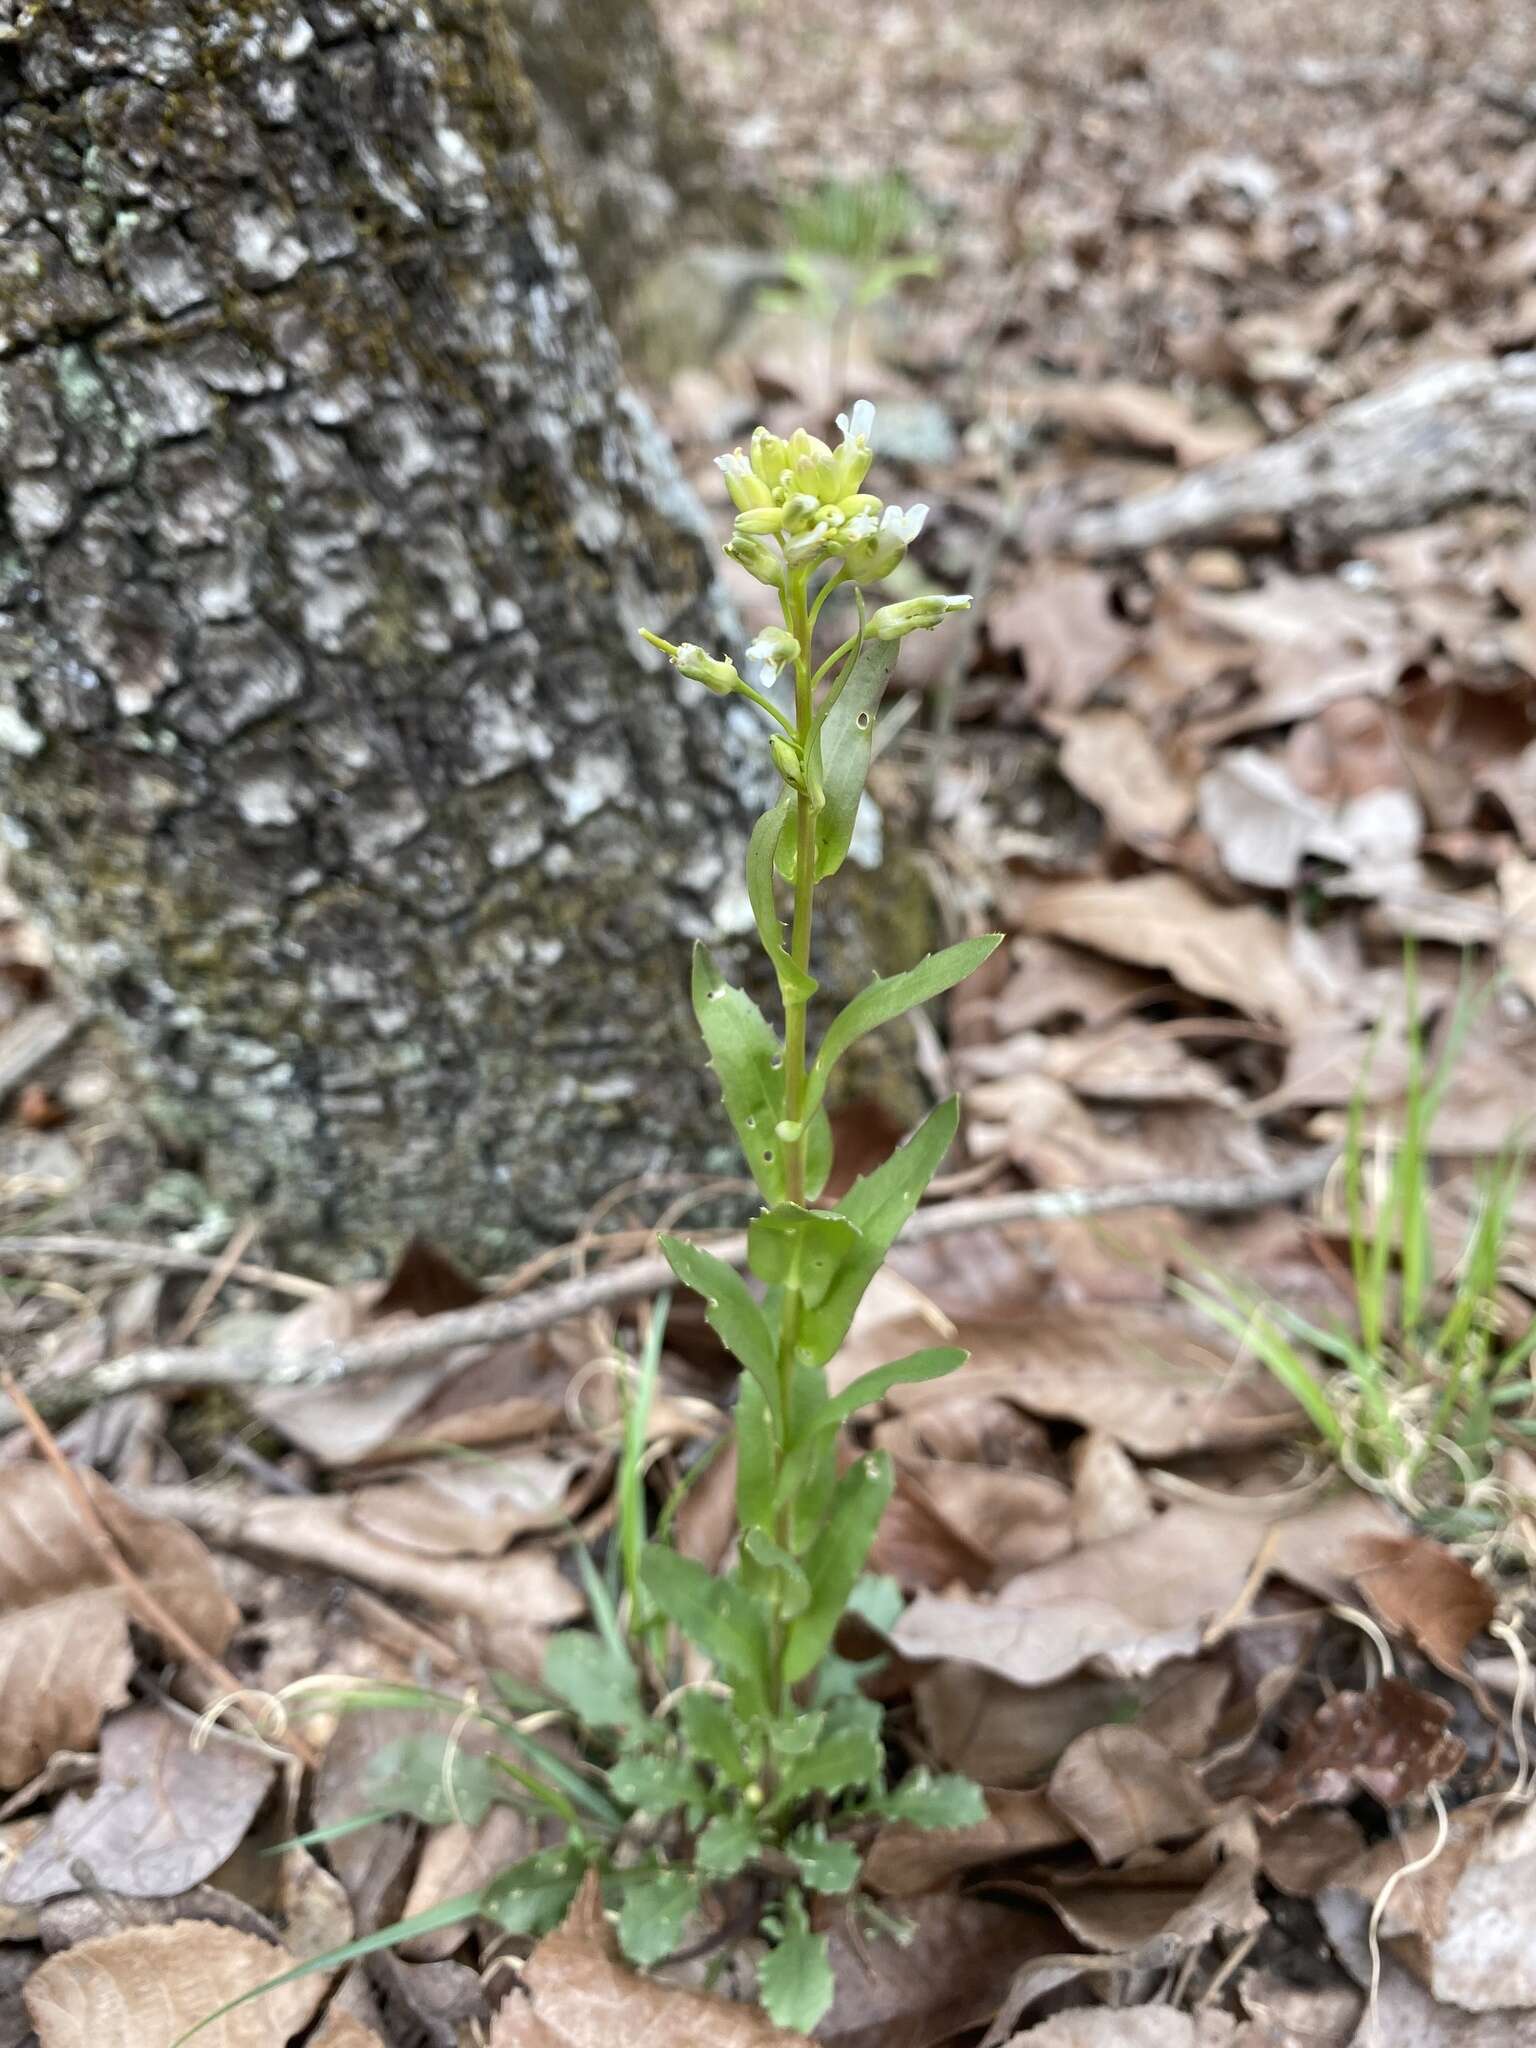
(333,762)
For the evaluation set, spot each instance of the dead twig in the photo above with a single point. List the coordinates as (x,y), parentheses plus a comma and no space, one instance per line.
(499,1322)
(17,1253)
(206,1295)
(143,1605)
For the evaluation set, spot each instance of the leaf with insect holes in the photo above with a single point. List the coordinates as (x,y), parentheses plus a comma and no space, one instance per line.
(848,1756)
(747,1059)
(836,1559)
(655,1909)
(711,1734)
(891,996)
(788,1246)
(531,1897)
(794,1979)
(825,1865)
(840,758)
(715,1615)
(730,1311)
(924,1801)
(878,1206)
(728,1844)
(766,834)
(655,1784)
(594,1679)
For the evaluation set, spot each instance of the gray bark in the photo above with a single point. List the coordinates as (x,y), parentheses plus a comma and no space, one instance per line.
(332,761)
(1447,434)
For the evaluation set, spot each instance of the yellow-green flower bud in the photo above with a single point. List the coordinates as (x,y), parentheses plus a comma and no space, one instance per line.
(801,511)
(806,549)
(757,558)
(769,457)
(860,505)
(761,519)
(787,760)
(712,670)
(776,649)
(895,621)
(747,489)
(817,471)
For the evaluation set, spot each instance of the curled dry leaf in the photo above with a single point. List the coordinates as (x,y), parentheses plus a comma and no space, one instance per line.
(574,1993)
(146,1987)
(1111,758)
(1419,1589)
(1393,1742)
(1058,618)
(64,1650)
(952,1974)
(449,1509)
(1239,957)
(1141,2026)
(1123,1791)
(163,1816)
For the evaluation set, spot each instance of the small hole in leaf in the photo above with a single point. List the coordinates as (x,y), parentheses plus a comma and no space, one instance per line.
(862,720)
(768,1158)
(750,1122)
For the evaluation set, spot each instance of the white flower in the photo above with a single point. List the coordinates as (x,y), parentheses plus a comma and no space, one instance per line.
(859,425)
(875,554)
(776,649)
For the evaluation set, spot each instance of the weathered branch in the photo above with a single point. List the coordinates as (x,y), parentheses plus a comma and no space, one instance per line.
(498,1322)
(1447,434)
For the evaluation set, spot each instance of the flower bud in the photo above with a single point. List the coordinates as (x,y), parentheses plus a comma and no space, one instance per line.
(807,549)
(748,491)
(709,669)
(895,621)
(817,471)
(761,518)
(856,452)
(757,558)
(776,649)
(787,760)
(769,457)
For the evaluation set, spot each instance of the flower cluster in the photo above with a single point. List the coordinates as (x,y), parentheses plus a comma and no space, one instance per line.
(806,498)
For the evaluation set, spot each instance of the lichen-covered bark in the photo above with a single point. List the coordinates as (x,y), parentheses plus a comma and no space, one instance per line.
(331,758)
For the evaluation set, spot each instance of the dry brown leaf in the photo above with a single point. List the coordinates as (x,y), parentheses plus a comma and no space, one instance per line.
(1139,2026)
(1482,1952)
(952,1974)
(1239,957)
(163,1817)
(1307,641)
(1419,1589)
(64,1650)
(1015,1519)
(1122,1791)
(573,1993)
(1300,2015)
(1393,1742)
(145,1987)
(1121,414)
(455,1859)
(1141,1377)
(1310,1849)
(1517,942)
(1158,1909)
(1109,1495)
(1000,1734)
(448,1508)
(1058,617)
(904,1862)
(341,2030)
(1110,757)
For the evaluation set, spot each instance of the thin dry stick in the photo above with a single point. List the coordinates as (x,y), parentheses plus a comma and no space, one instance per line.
(498,1322)
(146,1608)
(19,1252)
(206,1295)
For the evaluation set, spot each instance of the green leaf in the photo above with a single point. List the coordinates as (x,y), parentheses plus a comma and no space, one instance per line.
(728,1844)
(746,1057)
(789,1246)
(890,997)
(818,1154)
(836,1559)
(730,1312)
(794,1586)
(845,739)
(434,1779)
(655,1908)
(826,1866)
(904,1372)
(878,1599)
(928,1802)
(601,1689)
(532,1897)
(848,1757)
(712,1736)
(761,849)
(794,1979)
(654,1784)
(715,1615)
(878,1206)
